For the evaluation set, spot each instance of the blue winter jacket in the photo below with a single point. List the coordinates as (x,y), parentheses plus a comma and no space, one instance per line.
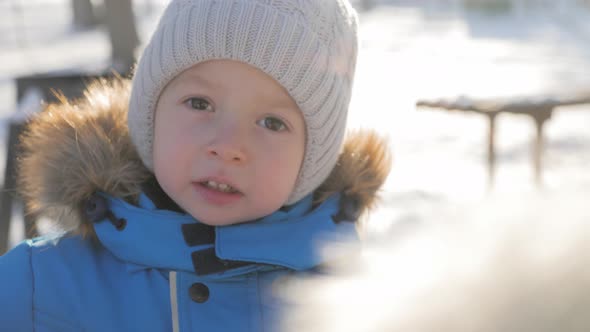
(153,274)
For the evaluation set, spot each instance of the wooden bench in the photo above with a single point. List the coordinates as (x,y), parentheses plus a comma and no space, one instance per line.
(43,87)
(539,109)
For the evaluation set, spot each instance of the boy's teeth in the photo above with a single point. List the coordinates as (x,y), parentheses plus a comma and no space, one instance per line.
(219,186)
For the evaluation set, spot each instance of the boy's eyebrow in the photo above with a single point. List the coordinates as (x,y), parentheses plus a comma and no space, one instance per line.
(196,78)
(280,102)
(283,104)
(192,78)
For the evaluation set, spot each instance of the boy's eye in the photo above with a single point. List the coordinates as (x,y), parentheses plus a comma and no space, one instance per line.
(273,124)
(199,104)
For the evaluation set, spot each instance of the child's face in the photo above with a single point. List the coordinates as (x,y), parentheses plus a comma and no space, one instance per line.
(224,123)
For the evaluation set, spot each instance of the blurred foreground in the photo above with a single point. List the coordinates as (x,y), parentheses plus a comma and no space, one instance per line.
(506,265)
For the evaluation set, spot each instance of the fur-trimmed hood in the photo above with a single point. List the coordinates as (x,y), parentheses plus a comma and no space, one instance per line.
(75,148)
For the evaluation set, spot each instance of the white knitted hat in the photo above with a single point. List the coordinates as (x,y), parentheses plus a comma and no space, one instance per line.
(308,46)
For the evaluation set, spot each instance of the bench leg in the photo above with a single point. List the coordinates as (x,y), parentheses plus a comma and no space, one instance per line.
(491,150)
(541,116)
(5,207)
(8,189)
(8,194)
(538,150)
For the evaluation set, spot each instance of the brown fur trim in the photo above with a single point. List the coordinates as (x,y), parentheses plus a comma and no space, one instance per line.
(361,170)
(71,150)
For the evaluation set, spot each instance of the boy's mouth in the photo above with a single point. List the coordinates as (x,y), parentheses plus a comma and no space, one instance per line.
(222,187)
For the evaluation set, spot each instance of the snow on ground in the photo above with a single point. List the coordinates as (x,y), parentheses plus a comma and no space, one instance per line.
(417,52)
(409,50)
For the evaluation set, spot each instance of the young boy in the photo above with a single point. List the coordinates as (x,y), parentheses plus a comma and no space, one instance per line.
(184,204)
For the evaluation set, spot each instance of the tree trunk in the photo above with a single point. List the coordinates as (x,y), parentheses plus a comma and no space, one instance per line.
(122,33)
(83,14)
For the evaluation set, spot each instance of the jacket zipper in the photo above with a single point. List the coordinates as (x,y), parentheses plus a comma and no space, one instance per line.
(174,301)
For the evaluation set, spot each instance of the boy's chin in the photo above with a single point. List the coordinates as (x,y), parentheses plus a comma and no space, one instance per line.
(230,215)
(222,220)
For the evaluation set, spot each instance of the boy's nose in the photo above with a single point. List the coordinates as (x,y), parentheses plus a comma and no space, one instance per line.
(226,152)
(228,144)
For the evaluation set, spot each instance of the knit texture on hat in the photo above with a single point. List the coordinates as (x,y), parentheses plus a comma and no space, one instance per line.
(308,46)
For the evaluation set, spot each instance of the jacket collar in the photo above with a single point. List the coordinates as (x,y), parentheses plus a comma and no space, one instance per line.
(154,238)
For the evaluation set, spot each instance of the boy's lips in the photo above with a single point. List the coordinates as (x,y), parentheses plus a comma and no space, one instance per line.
(218,183)
(217,191)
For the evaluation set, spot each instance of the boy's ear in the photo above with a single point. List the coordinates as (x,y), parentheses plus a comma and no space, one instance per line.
(361,170)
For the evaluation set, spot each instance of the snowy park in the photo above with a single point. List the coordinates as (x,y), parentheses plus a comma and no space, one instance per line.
(410,50)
